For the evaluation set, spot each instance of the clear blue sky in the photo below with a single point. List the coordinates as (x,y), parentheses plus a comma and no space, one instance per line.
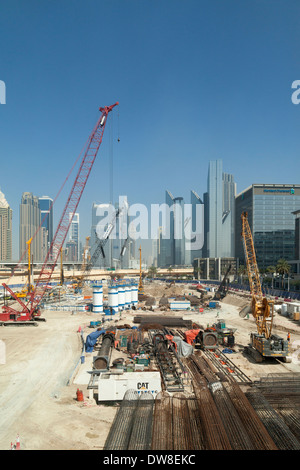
(196,81)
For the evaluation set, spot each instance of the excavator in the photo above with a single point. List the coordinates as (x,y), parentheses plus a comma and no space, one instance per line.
(263,344)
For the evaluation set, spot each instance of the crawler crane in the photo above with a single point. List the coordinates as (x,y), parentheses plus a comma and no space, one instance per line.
(264,344)
(30,310)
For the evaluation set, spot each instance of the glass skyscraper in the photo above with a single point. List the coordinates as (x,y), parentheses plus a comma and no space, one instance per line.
(30,220)
(5,229)
(45,204)
(195,201)
(118,246)
(270,210)
(219,212)
(178,241)
(74,233)
(167,234)
(99,214)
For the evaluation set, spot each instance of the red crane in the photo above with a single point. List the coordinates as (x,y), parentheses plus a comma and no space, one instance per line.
(31,310)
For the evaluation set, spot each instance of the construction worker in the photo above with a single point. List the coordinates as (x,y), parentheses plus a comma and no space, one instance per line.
(289,336)
(230,340)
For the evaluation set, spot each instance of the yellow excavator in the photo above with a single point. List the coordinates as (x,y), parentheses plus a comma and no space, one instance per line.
(263,344)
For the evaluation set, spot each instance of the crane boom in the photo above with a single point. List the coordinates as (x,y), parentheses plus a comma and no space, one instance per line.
(261,307)
(264,343)
(49,264)
(101,243)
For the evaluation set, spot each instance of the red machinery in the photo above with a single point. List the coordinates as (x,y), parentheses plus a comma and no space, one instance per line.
(30,310)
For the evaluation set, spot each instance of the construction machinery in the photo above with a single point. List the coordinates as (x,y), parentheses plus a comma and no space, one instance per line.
(27,312)
(77,282)
(223,287)
(90,260)
(263,344)
(86,254)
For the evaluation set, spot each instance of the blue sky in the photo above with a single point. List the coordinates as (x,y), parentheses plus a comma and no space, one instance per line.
(196,81)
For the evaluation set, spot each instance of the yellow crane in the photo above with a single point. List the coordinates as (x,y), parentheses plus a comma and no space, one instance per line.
(78,282)
(28,286)
(263,343)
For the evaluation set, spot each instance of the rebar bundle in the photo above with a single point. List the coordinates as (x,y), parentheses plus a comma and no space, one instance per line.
(256,430)
(236,431)
(141,431)
(275,425)
(214,433)
(132,426)
(162,435)
(176,424)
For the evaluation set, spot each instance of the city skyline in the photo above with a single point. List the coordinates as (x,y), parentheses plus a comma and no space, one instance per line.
(221,88)
(225,204)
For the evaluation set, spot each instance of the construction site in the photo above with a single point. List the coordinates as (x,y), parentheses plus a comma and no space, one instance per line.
(130,363)
(143,378)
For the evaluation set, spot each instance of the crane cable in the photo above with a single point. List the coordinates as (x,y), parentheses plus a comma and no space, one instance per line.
(47,214)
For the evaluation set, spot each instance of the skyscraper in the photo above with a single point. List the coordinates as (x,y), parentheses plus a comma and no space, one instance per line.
(220,212)
(215,206)
(228,216)
(5,229)
(195,202)
(171,246)
(117,247)
(178,241)
(30,221)
(99,215)
(74,234)
(167,233)
(45,204)
(270,209)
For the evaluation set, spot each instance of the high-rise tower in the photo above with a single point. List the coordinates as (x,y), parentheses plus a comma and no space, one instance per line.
(45,205)
(5,229)
(30,221)
(220,212)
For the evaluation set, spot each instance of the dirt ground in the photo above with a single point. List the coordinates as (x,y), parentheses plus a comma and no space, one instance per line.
(42,368)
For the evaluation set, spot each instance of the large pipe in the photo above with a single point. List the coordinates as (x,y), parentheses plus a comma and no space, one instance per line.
(101,362)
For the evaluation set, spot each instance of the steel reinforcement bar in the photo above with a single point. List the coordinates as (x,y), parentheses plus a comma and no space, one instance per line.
(214,433)
(275,425)
(132,425)
(258,434)
(177,424)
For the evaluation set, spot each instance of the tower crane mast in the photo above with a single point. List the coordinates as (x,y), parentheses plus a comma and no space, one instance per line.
(31,309)
(98,250)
